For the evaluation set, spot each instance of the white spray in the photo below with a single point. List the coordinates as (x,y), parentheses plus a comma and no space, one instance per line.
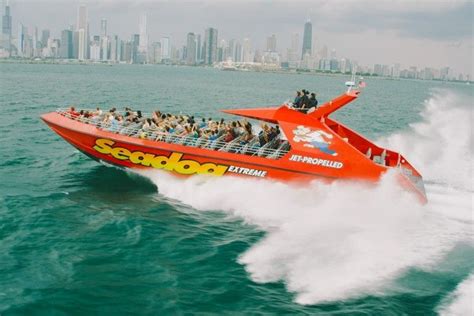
(339,241)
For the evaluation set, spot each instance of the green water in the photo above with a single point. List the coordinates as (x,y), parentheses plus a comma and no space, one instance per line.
(77,237)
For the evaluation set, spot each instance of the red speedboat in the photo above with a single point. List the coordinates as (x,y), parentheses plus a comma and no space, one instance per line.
(310,146)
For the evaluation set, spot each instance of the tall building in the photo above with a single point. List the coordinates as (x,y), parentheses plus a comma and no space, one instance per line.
(104,41)
(45,37)
(231,50)
(191,49)
(115,48)
(247,51)
(307,39)
(95,50)
(165,48)
(324,52)
(82,29)
(7,30)
(21,40)
(238,52)
(198,49)
(134,52)
(143,45)
(222,51)
(104,48)
(126,51)
(65,49)
(155,54)
(271,44)
(211,46)
(293,56)
(295,42)
(103,27)
(35,42)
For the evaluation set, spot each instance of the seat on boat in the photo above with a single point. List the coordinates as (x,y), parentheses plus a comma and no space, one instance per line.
(231,144)
(216,144)
(264,150)
(249,147)
(281,150)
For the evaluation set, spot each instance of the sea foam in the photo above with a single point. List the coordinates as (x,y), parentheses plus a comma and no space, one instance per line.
(461,302)
(329,242)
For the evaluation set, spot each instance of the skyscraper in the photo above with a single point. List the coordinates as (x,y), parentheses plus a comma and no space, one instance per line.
(135,44)
(115,48)
(7,29)
(82,30)
(231,50)
(45,37)
(21,40)
(65,50)
(165,48)
(211,46)
(104,41)
(238,52)
(35,41)
(198,49)
(143,45)
(271,43)
(307,39)
(155,54)
(292,54)
(246,51)
(103,27)
(191,49)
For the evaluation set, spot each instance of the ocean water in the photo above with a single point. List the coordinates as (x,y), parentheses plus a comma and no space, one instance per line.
(78,237)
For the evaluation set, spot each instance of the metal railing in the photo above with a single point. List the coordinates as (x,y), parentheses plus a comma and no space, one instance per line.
(273,149)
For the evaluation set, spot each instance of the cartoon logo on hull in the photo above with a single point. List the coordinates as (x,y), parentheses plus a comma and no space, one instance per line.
(314,139)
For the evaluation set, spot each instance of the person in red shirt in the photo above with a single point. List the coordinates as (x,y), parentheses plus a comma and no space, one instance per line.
(72,112)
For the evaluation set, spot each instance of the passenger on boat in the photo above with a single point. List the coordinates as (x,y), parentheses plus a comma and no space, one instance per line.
(203,123)
(209,122)
(248,134)
(139,116)
(156,115)
(72,112)
(221,124)
(304,101)
(97,112)
(229,135)
(263,135)
(213,136)
(313,102)
(296,101)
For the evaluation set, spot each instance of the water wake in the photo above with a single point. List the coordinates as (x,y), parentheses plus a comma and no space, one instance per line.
(460,302)
(339,241)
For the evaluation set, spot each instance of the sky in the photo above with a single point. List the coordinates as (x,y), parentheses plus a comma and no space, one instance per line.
(423,33)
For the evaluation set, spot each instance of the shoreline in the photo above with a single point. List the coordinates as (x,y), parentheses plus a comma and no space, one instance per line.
(76,62)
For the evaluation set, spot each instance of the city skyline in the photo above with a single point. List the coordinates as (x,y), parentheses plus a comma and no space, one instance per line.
(282,41)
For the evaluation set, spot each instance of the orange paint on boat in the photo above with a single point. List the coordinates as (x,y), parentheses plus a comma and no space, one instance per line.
(320,148)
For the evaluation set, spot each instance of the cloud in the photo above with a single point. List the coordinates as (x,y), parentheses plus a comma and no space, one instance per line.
(441,21)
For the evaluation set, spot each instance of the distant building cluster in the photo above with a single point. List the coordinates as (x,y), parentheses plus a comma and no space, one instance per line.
(76,43)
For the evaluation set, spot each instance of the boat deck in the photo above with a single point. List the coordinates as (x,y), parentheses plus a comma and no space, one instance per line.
(274,149)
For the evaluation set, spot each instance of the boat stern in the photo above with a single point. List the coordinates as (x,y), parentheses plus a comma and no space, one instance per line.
(411,179)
